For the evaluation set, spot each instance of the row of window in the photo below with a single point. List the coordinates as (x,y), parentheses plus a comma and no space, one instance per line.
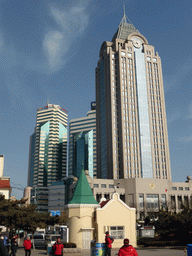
(180,188)
(103,185)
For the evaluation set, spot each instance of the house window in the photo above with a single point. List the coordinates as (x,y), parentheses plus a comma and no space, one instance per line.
(111,186)
(103,185)
(186,188)
(117,232)
(180,188)
(174,188)
(95,185)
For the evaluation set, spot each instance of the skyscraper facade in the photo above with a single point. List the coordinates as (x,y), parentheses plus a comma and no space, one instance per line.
(82,144)
(132,139)
(48,147)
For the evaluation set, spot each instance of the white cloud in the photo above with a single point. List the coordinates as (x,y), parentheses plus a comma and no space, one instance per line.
(1,40)
(176,78)
(186,139)
(174,117)
(53,45)
(190,112)
(72,22)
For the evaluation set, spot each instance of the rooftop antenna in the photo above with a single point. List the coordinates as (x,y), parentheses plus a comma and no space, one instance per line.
(124,9)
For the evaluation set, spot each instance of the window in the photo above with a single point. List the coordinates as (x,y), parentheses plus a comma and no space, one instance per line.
(95,185)
(173,203)
(103,185)
(186,201)
(179,198)
(163,201)
(141,201)
(180,188)
(186,188)
(152,201)
(117,232)
(174,188)
(111,186)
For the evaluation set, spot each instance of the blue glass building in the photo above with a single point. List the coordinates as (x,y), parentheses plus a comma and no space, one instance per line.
(82,144)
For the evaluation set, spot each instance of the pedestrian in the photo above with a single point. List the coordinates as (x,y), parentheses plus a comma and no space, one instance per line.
(6,243)
(27,246)
(127,249)
(58,247)
(14,246)
(108,244)
(3,250)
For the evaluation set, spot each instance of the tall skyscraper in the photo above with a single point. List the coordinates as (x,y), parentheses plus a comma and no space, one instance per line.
(82,144)
(48,147)
(132,139)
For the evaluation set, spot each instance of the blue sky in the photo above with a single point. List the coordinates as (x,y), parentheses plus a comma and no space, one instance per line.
(49,51)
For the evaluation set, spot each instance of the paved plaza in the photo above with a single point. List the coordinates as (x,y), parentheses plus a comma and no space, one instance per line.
(141,252)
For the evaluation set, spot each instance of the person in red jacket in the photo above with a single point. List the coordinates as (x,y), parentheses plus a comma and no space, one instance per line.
(27,246)
(58,248)
(108,241)
(127,250)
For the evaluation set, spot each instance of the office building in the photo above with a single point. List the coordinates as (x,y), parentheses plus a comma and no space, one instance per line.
(82,144)
(48,151)
(132,139)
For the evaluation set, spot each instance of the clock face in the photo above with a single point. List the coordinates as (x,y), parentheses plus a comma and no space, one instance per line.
(137,43)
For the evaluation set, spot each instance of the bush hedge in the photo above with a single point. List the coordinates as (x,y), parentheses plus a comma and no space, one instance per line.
(69,245)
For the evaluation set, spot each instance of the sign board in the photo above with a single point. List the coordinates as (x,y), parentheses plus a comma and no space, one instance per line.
(54,213)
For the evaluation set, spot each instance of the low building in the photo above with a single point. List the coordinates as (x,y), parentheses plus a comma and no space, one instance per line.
(88,220)
(5,188)
(146,195)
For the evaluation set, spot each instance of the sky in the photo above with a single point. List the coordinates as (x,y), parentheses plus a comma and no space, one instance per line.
(49,51)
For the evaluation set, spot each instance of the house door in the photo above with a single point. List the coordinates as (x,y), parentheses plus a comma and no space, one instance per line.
(86,239)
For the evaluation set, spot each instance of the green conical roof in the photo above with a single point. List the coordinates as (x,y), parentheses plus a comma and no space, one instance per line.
(83,193)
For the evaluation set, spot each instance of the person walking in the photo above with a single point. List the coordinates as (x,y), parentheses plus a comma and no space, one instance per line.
(58,247)
(127,249)
(108,244)
(27,246)
(6,242)
(3,250)
(14,246)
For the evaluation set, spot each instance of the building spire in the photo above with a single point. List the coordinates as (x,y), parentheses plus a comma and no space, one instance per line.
(125,28)
(124,9)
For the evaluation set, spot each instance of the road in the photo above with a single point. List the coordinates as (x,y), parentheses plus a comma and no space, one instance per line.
(141,252)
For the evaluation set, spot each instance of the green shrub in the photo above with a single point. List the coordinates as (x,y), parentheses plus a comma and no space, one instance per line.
(69,245)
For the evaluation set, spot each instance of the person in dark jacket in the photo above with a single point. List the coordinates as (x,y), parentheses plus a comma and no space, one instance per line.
(108,241)
(27,246)
(14,246)
(58,248)
(6,242)
(3,250)
(127,250)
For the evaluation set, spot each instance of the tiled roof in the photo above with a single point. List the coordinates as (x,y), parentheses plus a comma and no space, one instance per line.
(5,184)
(83,193)
(103,203)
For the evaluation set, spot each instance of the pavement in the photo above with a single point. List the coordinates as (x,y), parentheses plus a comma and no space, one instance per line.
(175,251)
